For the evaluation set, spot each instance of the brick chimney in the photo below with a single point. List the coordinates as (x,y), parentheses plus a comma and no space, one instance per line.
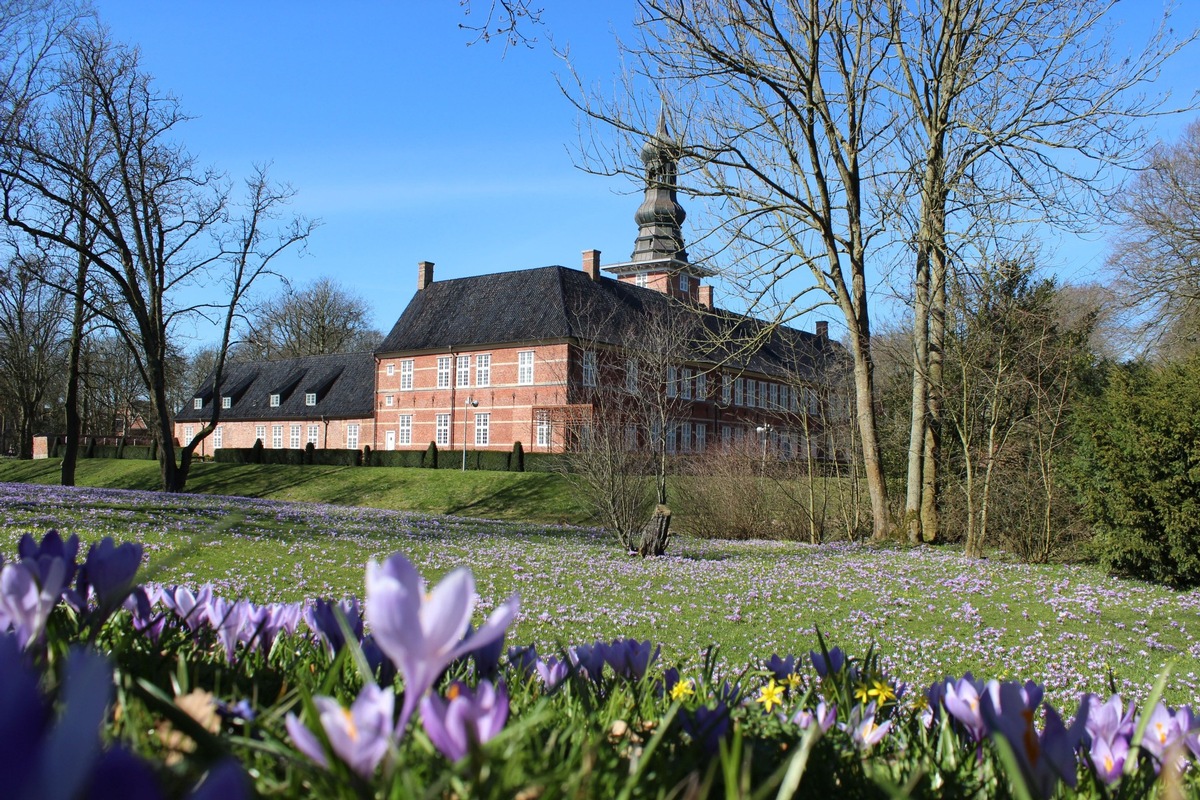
(823,329)
(706,296)
(591,264)
(424,274)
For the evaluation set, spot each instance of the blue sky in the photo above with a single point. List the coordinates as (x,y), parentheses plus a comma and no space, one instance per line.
(409,145)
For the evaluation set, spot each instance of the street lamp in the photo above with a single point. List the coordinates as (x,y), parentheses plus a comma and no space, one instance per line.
(763,431)
(471,403)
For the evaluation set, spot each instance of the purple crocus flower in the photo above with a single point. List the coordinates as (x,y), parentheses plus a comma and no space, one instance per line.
(1163,730)
(191,608)
(109,572)
(360,736)
(1107,720)
(629,658)
(485,657)
(228,620)
(863,729)
(961,699)
(423,634)
(823,717)
(1044,759)
(832,665)
(322,618)
(140,605)
(1108,757)
(781,668)
(522,658)
(465,718)
(588,660)
(52,548)
(24,718)
(706,726)
(26,604)
(552,672)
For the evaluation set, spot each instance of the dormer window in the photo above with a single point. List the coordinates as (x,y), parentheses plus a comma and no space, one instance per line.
(684,285)
(198,403)
(274,401)
(226,402)
(641,280)
(310,399)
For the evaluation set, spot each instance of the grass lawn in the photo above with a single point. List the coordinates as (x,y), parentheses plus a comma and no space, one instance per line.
(931,612)
(526,496)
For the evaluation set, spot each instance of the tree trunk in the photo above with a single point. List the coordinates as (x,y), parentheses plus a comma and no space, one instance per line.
(656,534)
(917,440)
(74,422)
(931,523)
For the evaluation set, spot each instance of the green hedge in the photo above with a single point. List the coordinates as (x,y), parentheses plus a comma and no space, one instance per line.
(104,451)
(396,458)
(295,457)
(337,458)
(140,451)
(493,460)
(541,462)
(234,455)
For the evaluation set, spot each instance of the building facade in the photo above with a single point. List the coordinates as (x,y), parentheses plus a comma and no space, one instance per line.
(533,356)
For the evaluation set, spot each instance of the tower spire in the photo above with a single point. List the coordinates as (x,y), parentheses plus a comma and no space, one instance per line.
(659,217)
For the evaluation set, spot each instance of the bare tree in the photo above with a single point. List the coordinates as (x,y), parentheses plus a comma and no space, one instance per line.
(507,20)
(157,224)
(1017,110)
(32,329)
(782,120)
(1156,255)
(322,317)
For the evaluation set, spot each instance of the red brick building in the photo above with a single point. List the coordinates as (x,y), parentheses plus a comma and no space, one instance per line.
(526,356)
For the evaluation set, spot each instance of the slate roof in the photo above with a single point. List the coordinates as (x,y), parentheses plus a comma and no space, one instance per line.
(343,382)
(557,303)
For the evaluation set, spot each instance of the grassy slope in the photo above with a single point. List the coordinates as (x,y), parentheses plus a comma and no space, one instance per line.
(532,496)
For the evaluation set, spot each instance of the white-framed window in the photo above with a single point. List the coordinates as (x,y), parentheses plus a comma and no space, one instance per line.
(314,434)
(406,373)
(701,386)
(389,400)
(687,383)
(389,440)
(276,437)
(762,394)
(672,437)
(294,437)
(672,382)
(463,370)
(443,372)
(525,368)
(483,369)
(226,402)
(310,398)
(542,429)
(198,403)
(726,388)
(260,433)
(218,437)
(684,282)
(631,375)
(405,429)
(641,279)
(589,368)
(814,402)
(352,436)
(442,428)
(774,395)
(631,437)
(482,429)
(188,433)
(274,401)
(726,436)
(390,369)
(685,437)
(794,399)
(738,392)
(701,437)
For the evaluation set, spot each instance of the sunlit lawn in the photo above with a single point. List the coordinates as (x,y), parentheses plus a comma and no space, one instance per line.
(931,612)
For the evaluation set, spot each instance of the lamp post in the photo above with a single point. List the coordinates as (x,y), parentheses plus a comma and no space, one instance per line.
(763,430)
(467,406)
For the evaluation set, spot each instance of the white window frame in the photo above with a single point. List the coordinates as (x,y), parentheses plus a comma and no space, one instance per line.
(687,383)
(294,437)
(739,392)
(589,368)
(406,374)
(631,438)
(462,370)
(773,393)
(260,433)
(726,388)
(198,403)
(641,279)
(701,385)
(274,401)
(685,437)
(442,430)
(672,381)
(701,437)
(542,429)
(310,398)
(684,282)
(525,368)
(483,369)
(672,436)
(188,433)
(405,429)
(352,436)
(726,436)
(390,369)
(389,400)
(276,437)
(483,429)
(226,402)
(631,375)
(314,434)
(444,368)
(218,437)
